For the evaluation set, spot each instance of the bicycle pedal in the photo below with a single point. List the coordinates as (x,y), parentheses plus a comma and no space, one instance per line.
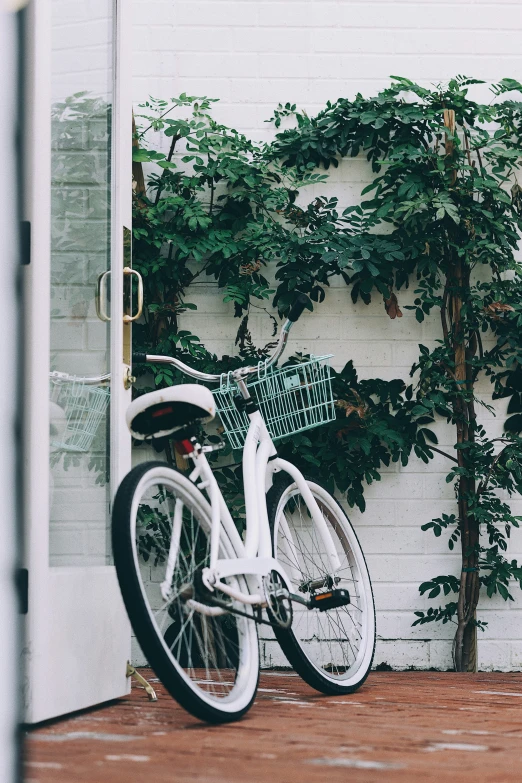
(329,600)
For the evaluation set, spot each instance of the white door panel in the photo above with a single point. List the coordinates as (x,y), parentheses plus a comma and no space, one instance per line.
(78,142)
(78,668)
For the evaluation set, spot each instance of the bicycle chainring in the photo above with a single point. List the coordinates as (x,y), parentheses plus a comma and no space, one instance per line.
(279,605)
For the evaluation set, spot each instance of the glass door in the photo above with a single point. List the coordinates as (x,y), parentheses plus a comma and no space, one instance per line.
(82,99)
(78,141)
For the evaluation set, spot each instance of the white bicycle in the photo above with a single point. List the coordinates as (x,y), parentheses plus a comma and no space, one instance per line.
(194,589)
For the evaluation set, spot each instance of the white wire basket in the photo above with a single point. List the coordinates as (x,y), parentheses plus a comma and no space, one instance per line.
(293,399)
(85,407)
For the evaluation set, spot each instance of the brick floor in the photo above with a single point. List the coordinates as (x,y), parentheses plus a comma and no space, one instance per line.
(400,727)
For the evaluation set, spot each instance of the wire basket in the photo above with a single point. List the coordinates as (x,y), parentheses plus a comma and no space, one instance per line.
(84,407)
(292,399)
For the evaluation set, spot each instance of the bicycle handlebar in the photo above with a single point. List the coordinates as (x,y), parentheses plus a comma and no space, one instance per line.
(88,380)
(243,372)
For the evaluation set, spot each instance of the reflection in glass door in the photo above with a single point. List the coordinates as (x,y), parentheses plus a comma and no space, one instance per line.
(82,96)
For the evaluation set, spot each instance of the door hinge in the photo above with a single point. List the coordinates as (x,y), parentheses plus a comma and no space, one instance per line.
(22,584)
(25,242)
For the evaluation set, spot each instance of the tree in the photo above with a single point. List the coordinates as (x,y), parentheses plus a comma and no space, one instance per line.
(446,186)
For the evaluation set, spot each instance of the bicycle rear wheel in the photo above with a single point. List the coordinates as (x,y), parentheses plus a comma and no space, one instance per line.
(209,664)
(332,650)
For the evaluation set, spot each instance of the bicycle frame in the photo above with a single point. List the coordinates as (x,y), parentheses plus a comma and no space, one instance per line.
(260,462)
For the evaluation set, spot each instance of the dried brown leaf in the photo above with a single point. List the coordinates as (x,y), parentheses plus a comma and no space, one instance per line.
(391,306)
(495,309)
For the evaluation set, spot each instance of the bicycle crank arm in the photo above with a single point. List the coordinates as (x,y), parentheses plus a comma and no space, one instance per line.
(298,599)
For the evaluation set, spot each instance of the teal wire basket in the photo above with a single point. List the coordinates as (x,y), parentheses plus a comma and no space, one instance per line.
(85,407)
(292,399)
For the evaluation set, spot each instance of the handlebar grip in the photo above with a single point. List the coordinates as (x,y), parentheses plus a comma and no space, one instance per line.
(297,308)
(139,358)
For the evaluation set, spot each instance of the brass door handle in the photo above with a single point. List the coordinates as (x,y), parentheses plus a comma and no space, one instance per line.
(100,299)
(128,318)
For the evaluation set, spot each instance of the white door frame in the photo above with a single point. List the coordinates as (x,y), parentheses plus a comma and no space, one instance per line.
(77,632)
(121,217)
(9,399)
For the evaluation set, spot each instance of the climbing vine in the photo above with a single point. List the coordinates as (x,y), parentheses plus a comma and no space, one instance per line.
(223,209)
(442,213)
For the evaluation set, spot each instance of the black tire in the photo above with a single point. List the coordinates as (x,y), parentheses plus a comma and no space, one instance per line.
(295,652)
(153,643)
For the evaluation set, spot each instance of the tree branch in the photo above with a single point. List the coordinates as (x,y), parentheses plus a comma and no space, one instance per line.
(468,154)
(169,158)
(444,454)
(443,310)
(484,483)
(211,207)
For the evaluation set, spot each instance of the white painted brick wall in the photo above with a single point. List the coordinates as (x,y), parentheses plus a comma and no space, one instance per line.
(254,54)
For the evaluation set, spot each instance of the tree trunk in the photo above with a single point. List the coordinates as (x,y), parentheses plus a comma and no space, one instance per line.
(137,168)
(465,654)
(469,648)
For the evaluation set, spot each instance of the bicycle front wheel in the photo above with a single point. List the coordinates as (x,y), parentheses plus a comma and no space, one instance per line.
(161,542)
(332,650)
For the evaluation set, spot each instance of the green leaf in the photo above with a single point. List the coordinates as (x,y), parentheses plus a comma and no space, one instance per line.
(145,156)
